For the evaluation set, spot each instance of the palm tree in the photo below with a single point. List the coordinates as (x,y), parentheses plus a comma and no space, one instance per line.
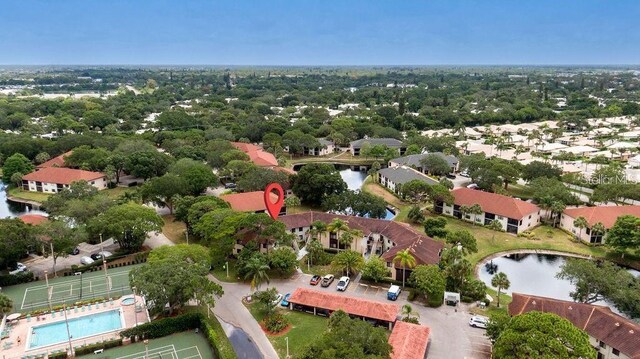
(346,238)
(476,210)
(557,208)
(500,281)
(257,272)
(406,259)
(464,210)
(6,304)
(348,261)
(336,226)
(598,229)
(318,228)
(408,314)
(580,223)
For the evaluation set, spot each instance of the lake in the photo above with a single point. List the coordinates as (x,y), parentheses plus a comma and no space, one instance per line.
(354,180)
(13,209)
(533,274)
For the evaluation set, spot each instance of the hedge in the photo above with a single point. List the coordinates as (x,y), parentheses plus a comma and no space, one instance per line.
(163,327)
(58,355)
(90,348)
(13,279)
(217,338)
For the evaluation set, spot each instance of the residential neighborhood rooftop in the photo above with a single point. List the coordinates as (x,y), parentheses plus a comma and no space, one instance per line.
(403,174)
(247,201)
(256,154)
(494,203)
(356,306)
(606,215)
(61,175)
(390,142)
(414,160)
(57,161)
(34,219)
(409,341)
(599,322)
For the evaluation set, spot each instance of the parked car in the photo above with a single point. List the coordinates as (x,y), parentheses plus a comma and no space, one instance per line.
(74,251)
(86,260)
(315,280)
(20,268)
(394,292)
(464,173)
(230,185)
(451,175)
(343,283)
(285,300)
(327,280)
(96,256)
(105,254)
(479,322)
(473,186)
(277,300)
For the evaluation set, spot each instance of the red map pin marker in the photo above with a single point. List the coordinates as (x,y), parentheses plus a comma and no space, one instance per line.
(273,208)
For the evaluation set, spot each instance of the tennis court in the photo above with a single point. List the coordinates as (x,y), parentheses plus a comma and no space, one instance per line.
(186,345)
(71,289)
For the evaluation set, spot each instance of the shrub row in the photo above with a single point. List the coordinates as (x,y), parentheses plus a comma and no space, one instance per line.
(163,327)
(58,355)
(13,279)
(90,348)
(217,339)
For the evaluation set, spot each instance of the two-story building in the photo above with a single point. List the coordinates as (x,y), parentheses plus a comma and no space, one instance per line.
(606,215)
(356,146)
(415,161)
(55,179)
(252,202)
(379,237)
(394,177)
(611,335)
(514,215)
(326,147)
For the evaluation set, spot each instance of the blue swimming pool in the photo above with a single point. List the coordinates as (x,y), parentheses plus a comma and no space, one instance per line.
(82,327)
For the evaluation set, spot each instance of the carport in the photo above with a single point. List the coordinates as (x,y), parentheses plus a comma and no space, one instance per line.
(409,341)
(322,303)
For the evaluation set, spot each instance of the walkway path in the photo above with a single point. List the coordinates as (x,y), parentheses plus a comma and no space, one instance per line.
(229,307)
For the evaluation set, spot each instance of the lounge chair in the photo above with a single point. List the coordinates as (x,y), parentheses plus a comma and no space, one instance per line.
(28,318)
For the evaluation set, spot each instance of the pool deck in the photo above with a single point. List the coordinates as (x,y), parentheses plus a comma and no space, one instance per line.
(20,329)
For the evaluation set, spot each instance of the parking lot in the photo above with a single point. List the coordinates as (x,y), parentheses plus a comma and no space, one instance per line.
(38,264)
(451,335)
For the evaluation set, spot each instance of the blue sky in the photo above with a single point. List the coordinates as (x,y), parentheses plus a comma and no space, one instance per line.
(327,32)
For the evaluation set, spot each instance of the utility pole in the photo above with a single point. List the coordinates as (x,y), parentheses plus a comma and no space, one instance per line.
(186,233)
(66,321)
(104,265)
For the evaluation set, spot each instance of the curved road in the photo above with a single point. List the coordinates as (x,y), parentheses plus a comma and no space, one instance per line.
(229,307)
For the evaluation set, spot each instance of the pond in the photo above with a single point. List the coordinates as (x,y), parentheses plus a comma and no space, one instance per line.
(533,274)
(354,180)
(12,209)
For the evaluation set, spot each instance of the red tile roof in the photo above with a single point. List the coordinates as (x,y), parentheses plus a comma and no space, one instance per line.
(409,341)
(356,306)
(599,322)
(256,154)
(494,203)
(34,219)
(248,201)
(57,161)
(606,215)
(425,249)
(61,175)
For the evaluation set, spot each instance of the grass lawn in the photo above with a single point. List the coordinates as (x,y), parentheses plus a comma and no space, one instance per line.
(28,195)
(492,308)
(374,188)
(221,273)
(522,192)
(174,230)
(116,191)
(316,269)
(301,209)
(304,329)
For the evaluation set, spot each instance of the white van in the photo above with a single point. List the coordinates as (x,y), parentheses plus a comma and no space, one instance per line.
(394,292)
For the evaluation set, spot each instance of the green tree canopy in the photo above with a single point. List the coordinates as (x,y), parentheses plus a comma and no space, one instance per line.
(16,163)
(542,335)
(128,224)
(315,181)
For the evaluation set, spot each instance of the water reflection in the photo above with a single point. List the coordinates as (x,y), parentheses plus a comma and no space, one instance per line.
(533,274)
(354,181)
(13,209)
